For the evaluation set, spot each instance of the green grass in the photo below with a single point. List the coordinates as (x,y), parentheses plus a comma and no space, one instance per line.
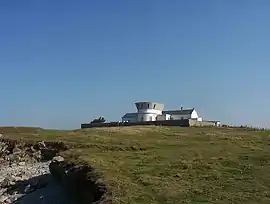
(172,165)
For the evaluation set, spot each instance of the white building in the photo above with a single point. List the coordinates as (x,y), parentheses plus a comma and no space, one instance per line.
(151,111)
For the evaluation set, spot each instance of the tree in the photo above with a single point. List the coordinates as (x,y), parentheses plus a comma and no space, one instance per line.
(98,120)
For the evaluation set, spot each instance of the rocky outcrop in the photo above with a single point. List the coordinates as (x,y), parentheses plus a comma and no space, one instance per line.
(19,151)
(24,172)
(31,173)
(82,182)
(29,183)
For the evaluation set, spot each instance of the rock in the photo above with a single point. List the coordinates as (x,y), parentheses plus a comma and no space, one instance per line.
(3,198)
(15,197)
(37,155)
(11,157)
(178,175)
(22,163)
(25,177)
(25,184)
(16,150)
(33,149)
(56,167)
(1,135)
(9,180)
(8,201)
(3,149)
(3,161)
(56,171)
(28,158)
(17,178)
(42,145)
(58,159)
(27,188)
(2,191)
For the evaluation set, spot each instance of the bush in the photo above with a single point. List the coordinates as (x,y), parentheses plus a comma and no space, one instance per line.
(98,120)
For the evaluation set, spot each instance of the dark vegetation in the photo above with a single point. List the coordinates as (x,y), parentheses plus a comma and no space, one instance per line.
(152,164)
(99,120)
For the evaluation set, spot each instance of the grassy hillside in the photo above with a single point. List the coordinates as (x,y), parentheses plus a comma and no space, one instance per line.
(172,164)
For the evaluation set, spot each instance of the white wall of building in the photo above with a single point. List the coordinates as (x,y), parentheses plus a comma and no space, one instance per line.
(147,116)
(194,114)
(168,117)
(154,111)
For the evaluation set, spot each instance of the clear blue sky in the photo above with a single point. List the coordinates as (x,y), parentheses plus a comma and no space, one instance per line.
(65,62)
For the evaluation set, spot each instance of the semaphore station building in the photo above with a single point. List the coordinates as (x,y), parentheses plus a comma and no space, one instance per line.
(148,111)
(153,111)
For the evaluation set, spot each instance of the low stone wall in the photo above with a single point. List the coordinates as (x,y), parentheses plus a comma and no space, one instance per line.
(183,123)
(201,123)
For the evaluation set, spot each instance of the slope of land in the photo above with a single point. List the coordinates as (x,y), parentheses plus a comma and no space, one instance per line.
(170,164)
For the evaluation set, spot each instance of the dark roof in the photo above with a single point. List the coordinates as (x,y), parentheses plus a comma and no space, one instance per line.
(129,115)
(179,112)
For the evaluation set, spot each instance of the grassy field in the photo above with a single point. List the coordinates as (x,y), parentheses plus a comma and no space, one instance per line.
(171,165)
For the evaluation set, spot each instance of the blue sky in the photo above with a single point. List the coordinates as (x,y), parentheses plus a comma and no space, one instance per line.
(65,62)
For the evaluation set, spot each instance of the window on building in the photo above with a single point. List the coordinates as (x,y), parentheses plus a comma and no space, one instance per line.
(154,106)
(148,105)
(141,118)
